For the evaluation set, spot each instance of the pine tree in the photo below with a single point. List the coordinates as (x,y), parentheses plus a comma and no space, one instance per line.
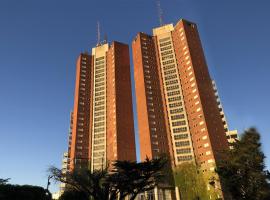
(242,169)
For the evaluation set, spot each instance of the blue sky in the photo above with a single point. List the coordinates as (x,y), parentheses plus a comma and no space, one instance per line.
(40,41)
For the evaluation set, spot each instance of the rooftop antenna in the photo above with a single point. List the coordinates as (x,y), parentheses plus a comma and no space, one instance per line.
(160,13)
(105,38)
(98,33)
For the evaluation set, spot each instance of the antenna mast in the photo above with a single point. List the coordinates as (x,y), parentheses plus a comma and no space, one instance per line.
(105,38)
(98,33)
(160,13)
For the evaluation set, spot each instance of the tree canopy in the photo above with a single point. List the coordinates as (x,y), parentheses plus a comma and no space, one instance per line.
(4,181)
(125,178)
(190,181)
(242,169)
(23,192)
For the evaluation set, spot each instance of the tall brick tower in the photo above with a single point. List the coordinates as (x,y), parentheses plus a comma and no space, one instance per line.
(80,138)
(177,109)
(103,129)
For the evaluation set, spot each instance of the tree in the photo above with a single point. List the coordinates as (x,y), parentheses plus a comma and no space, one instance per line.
(242,169)
(92,184)
(125,178)
(73,194)
(190,181)
(131,178)
(22,192)
(4,181)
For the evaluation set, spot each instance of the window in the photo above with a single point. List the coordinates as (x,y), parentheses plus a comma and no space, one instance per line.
(100,71)
(165,43)
(99,80)
(167,67)
(179,123)
(168,62)
(99,141)
(101,147)
(166,48)
(167,57)
(99,89)
(166,52)
(99,98)
(164,39)
(204,137)
(184,158)
(170,77)
(99,129)
(172,105)
(183,151)
(182,143)
(174,117)
(180,130)
(99,93)
(170,72)
(99,124)
(176,110)
(172,87)
(99,119)
(206,145)
(174,99)
(181,136)
(173,93)
(99,75)
(171,82)
(98,135)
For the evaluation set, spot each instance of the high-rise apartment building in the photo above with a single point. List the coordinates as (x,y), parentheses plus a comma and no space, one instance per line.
(103,128)
(177,109)
(80,140)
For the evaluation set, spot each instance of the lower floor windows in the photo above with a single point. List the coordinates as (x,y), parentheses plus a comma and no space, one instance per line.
(184,158)
(182,151)
(182,143)
(181,136)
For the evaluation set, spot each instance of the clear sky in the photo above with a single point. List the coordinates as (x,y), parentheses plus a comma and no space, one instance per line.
(40,41)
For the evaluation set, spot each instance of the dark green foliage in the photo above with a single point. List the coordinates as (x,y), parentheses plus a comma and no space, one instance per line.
(190,181)
(4,181)
(73,195)
(242,169)
(131,178)
(24,192)
(125,178)
(91,184)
